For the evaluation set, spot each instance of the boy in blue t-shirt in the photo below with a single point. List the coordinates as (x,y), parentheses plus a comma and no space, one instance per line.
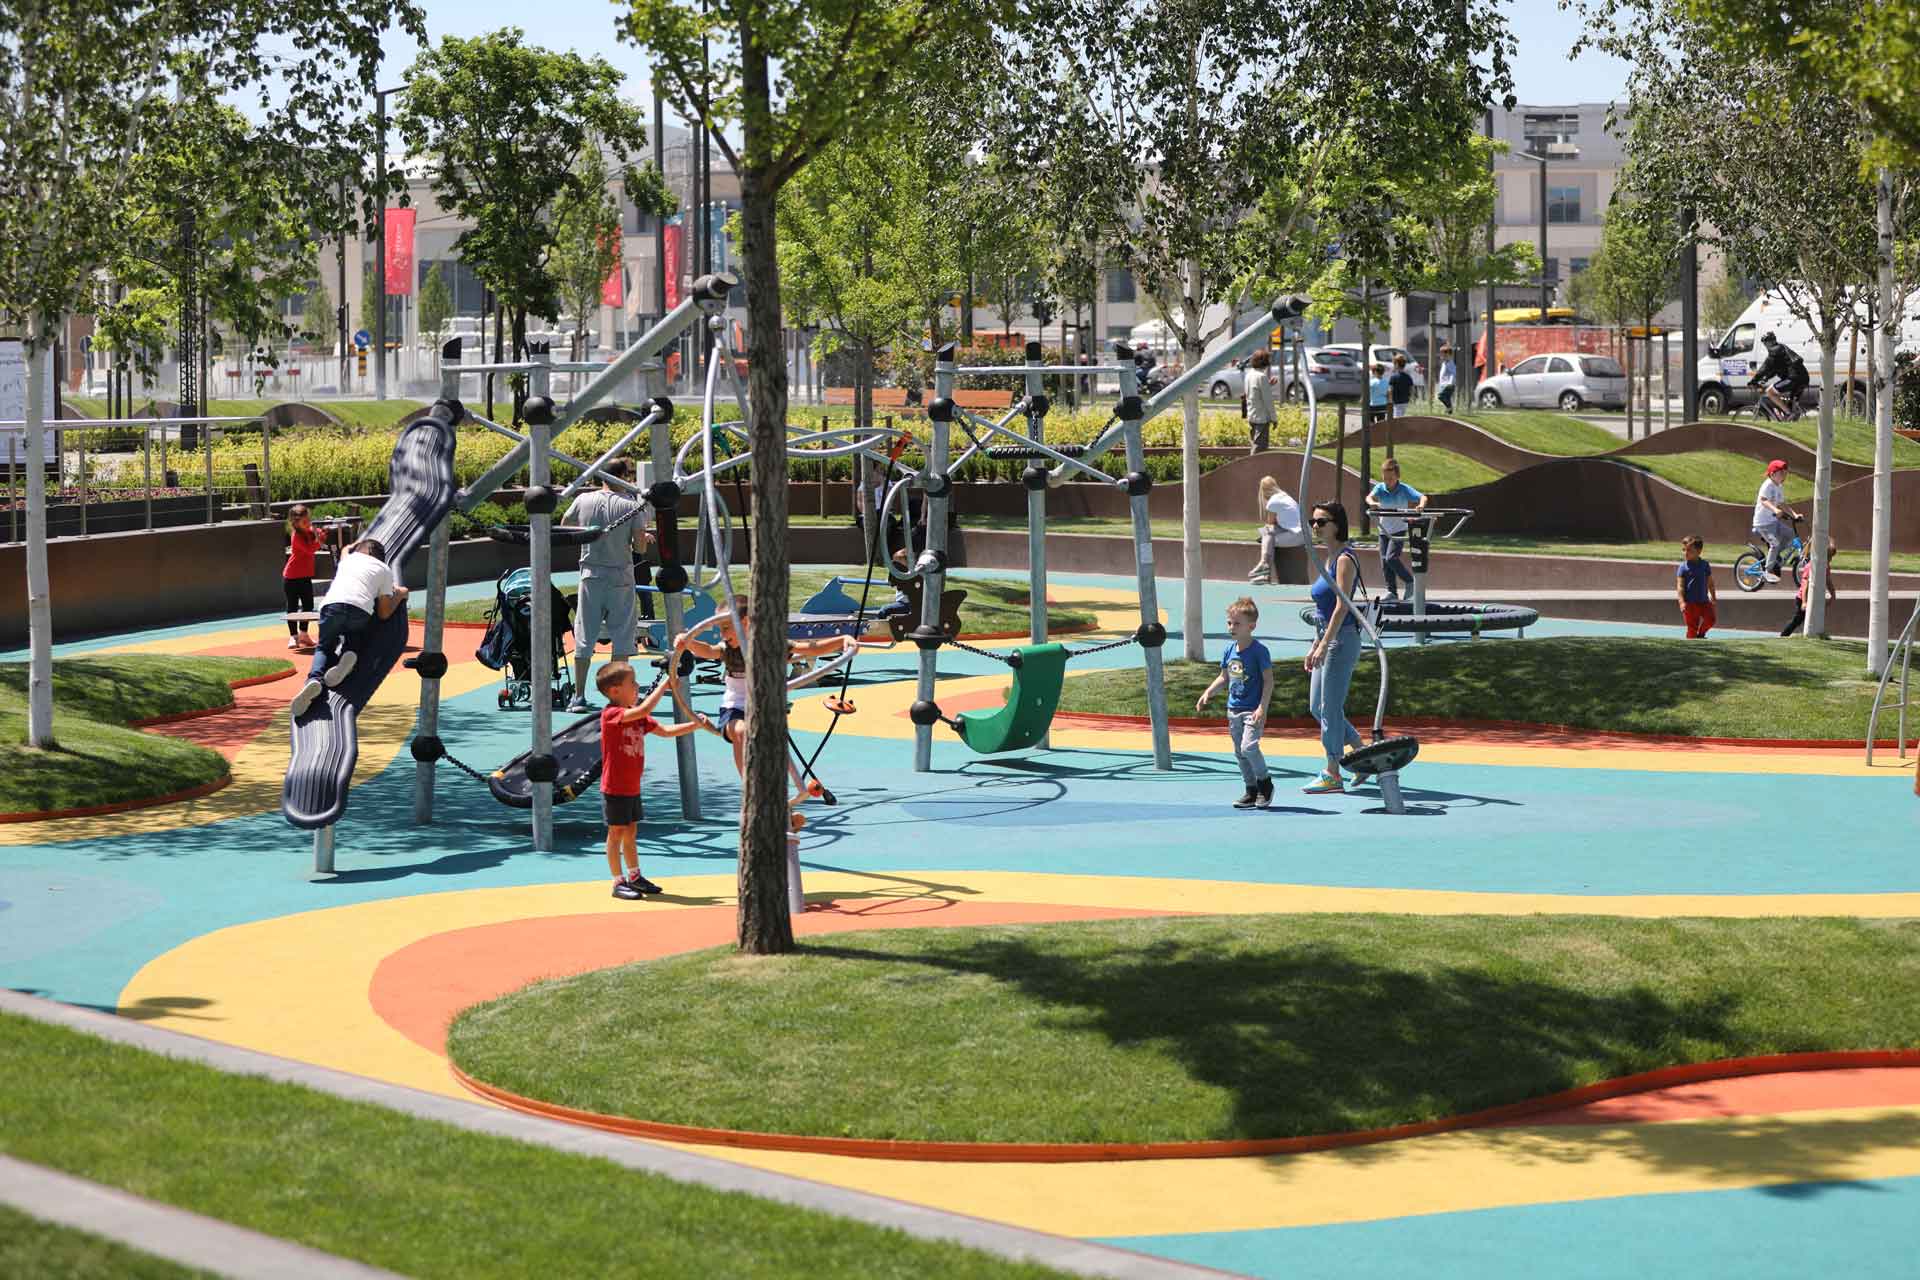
(1693,585)
(1246,671)
(1391,494)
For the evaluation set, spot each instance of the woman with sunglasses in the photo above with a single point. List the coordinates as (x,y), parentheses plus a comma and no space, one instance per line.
(1330,661)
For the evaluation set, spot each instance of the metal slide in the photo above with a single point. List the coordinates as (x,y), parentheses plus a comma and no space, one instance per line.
(326,740)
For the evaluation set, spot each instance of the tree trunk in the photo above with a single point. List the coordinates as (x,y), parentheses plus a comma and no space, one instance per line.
(39,595)
(763,924)
(1822,482)
(1891,309)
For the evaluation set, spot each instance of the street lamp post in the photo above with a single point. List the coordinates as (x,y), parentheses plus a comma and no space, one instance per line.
(1549,151)
(380,241)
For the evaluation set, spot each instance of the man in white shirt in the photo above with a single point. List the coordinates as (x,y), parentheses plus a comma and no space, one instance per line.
(1772,516)
(363,587)
(607,579)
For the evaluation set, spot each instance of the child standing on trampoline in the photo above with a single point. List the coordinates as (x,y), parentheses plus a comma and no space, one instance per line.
(1246,671)
(625,723)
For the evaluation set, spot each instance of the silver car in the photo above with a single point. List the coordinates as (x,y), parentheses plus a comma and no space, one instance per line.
(1383,356)
(1565,379)
(1334,373)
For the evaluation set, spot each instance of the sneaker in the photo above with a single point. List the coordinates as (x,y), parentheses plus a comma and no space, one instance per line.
(1771,576)
(341,669)
(579,706)
(311,690)
(292,643)
(645,885)
(1265,797)
(1247,801)
(626,891)
(1324,784)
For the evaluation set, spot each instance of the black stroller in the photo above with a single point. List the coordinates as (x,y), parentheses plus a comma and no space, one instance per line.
(508,644)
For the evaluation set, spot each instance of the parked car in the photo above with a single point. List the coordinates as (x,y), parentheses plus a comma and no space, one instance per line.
(1333,372)
(1383,355)
(1566,379)
(1229,383)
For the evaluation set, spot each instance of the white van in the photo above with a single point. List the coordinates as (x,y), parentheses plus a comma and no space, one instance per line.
(1729,363)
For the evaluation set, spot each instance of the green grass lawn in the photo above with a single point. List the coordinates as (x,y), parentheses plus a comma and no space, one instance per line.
(1543,431)
(1717,474)
(410,1195)
(1665,552)
(993,604)
(1725,688)
(99,760)
(31,1247)
(1259,1026)
(374,414)
(1852,439)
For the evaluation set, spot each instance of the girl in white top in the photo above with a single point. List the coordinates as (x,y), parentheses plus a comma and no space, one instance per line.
(1279,527)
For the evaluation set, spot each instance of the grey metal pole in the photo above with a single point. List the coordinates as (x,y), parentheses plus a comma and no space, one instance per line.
(673,610)
(539,475)
(146,471)
(938,486)
(380,246)
(434,635)
(1129,411)
(1544,295)
(81,477)
(1689,320)
(323,851)
(266,463)
(1036,481)
(1493,238)
(1666,382)
(13,492)
(206,444)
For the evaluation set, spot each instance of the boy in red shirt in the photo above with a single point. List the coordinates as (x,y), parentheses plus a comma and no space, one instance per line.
(624,725)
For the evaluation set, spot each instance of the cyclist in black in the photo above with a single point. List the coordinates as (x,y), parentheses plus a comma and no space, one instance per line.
(1784,373)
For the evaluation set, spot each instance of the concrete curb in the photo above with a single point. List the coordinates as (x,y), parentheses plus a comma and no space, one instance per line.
(1064,1253)
(166,1232)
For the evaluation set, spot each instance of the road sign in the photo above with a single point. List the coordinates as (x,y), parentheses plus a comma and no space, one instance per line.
(362,339)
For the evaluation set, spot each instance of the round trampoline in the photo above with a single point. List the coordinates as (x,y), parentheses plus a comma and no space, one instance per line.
(1443,619)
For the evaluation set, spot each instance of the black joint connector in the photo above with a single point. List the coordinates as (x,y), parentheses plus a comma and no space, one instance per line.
(1037,407)
(1035,478)
(927,637)
(939,486)
(670,578)
(687,663)
(940,410)
(1138,484)
(456,412)
(427,748)
(662,404)
(715,287)
(1131,409)
(663,494)
(944,353)
(431,666)
(541,500)
(924,712)
(538,411)
(1033,353)
(1014,660)
(1123,350)
(450,350)
(1151,635)
(542,767)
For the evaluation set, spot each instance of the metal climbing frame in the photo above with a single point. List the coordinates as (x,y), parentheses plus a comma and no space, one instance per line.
(1903,655)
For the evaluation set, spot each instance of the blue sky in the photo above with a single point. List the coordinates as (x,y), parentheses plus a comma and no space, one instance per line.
(1543,73)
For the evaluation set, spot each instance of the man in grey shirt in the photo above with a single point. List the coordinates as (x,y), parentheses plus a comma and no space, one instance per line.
(606,574)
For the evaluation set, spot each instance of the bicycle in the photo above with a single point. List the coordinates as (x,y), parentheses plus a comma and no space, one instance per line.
(1750,566)
(1765,409)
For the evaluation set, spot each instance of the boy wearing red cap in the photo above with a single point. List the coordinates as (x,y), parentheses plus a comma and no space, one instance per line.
(1772,516)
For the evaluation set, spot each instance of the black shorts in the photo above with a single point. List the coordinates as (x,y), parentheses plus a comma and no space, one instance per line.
(620,811)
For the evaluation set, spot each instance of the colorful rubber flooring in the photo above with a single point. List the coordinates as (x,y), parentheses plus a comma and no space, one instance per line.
(202,917)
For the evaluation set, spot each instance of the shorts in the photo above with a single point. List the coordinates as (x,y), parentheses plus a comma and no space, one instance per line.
(605,604)
(620,811)
(727,716)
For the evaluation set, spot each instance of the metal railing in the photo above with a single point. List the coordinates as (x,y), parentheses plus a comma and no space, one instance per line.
(94,475)
(1903,655)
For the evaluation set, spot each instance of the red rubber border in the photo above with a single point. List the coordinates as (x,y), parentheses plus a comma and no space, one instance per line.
(120,806)
(1090,1152)
(245,682)
(1071,629)
(1098,718)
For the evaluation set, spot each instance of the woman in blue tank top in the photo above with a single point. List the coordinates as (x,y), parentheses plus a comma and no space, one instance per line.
(1330,661)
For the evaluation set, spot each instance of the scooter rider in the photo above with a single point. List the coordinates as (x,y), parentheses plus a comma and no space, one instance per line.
(1784,373)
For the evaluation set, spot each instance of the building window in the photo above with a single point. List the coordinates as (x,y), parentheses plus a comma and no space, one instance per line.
(1550,269)
(1577,265)
(1541,129)
(1120,285)
(1563,204)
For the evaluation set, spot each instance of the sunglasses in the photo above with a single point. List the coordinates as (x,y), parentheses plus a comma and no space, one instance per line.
(1318,521)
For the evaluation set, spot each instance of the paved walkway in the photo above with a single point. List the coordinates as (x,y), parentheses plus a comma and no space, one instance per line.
(203,919)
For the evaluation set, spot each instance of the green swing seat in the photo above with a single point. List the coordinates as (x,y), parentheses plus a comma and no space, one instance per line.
(1030,704)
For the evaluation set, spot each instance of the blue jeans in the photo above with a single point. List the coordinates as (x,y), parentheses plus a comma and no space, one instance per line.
(1392,567)
(1246,747)
(1327,695)
(342,627)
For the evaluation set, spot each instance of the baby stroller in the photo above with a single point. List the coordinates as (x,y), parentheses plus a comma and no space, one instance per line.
(508,644)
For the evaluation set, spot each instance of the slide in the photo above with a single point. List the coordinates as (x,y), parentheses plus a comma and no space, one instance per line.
(576,760)
(326,740)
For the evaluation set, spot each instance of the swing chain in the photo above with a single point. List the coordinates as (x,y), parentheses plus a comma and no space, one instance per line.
(463,767)
(975,651)
(1102,648)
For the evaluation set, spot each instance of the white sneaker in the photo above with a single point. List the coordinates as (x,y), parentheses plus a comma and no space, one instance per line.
(292,643)
(304,699)
(1771,576)
(341,669)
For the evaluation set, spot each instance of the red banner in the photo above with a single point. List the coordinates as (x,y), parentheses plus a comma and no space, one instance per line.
(400,252)
(672,265)
(613,290)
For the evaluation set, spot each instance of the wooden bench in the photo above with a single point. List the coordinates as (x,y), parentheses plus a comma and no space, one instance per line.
(894,399)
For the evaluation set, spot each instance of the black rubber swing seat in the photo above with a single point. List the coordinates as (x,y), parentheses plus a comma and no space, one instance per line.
(1383,756)
(1018,452)
(1441,618)
(521,535)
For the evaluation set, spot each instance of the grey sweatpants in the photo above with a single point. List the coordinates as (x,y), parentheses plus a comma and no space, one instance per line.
(1245,730)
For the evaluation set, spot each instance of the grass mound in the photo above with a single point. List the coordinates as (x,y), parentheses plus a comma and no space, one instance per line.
(1544,431)
(993,604)
(31,1247)
(409,1195)
(1799,689)
(1665,552)
(1187,1028)
(99,760)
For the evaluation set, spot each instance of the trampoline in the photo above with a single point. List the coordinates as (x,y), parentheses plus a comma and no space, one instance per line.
(1444,619)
